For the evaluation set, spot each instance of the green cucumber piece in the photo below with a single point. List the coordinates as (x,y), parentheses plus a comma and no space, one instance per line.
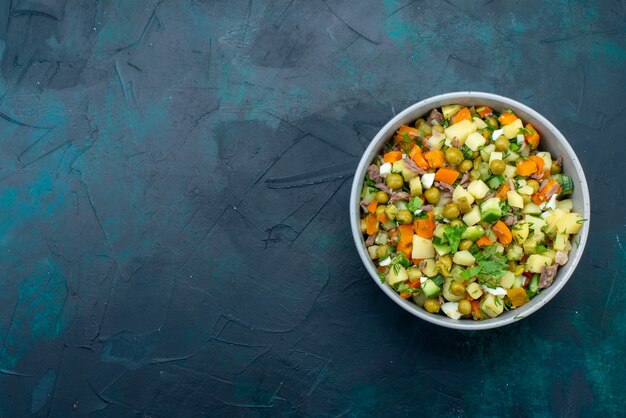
(490,210)
(430,288)
(566,183)
(473,232)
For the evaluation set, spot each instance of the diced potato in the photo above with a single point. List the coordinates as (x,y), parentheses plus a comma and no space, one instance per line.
(430,267)
(527,190)
(422,248)
(419,299)
(450,110)
(485,153)
(460,192)
(514,199)
(536,262)
(416,186)
(475,141)
(464,258)
(561,241)
(414,273)
(472,217)
(480,124)
(550,254)
(551,219)
(440,230)
(570,223)
(530,246)
(373,251)
(565,205)
(531,209)
(478,189)
(520,232)
(436,141)
(492,305)
(547,159)
(536,223)
(461,130)
(400,167)
(447,294)
(474,290)
(507,279)
(511,130)
(397,274)
(511,156)
(496,155)
(514,252)
(509,171)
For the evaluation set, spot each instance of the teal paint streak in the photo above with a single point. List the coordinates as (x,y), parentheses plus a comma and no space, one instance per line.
(43,391)
(39,311)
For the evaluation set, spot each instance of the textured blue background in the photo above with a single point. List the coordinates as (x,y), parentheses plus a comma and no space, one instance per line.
(174,181)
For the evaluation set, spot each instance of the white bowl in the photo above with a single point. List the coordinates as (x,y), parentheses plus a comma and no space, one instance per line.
(551,140)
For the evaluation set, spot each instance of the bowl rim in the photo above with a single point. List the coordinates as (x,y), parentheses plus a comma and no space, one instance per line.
(444,321)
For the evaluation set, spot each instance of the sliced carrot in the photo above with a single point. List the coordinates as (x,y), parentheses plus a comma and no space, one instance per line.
(411,132)
(502,191)
(518,296)
(371,224)
(507,118)
(405,295)
(405,239)
(476,309)
(463,114)
(392,156)
(414,151)
(539,161)
(546,192)
(414,284)
(526,168)
(533,137)
(382,218)
(484,111)
(419,159)
(484,241)
(435,158)
(425,228)
(371,208)
(503,233)
(446,175)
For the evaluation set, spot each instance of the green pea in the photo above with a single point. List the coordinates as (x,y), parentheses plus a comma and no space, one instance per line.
(502,144)
(432,195)
(466,245)
(465,166)
(465,307)
(404,217)
(497,166)
(382,197)
(457,288)
(432,305)
(451,211)
(394,181)
(454,156)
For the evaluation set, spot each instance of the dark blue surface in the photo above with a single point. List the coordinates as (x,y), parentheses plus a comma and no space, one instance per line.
(174,184)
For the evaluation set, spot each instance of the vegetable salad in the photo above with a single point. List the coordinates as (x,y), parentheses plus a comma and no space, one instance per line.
(463,215)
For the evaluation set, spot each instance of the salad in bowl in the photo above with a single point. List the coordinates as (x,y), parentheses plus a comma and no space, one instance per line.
(464,214)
